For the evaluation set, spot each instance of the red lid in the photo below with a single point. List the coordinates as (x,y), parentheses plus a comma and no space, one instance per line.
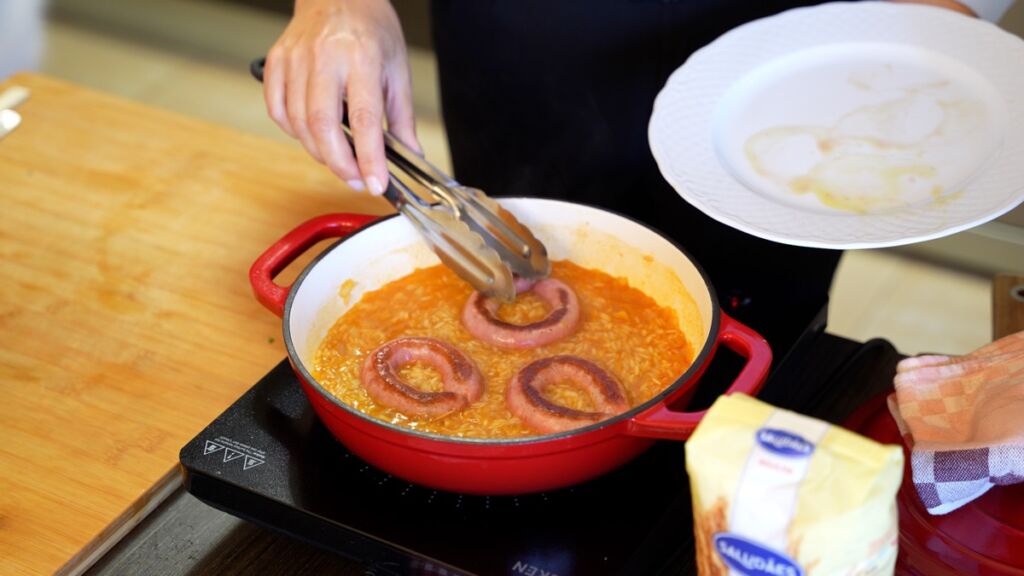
(985,536)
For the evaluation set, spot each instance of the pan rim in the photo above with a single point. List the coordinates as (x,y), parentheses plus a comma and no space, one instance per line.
(675,387)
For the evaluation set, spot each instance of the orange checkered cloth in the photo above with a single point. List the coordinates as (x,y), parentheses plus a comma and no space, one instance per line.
(963,419)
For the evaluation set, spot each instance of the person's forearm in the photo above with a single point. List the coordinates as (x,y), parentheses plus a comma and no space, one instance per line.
(950,4)
(991,10)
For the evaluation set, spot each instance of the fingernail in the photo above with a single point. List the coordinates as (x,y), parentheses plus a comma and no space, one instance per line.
(356,184)
(374,185)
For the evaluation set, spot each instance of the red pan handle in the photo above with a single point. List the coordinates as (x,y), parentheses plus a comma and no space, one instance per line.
(291,246)
(660,422)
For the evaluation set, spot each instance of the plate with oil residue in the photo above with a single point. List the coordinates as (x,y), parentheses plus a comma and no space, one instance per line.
(848,125)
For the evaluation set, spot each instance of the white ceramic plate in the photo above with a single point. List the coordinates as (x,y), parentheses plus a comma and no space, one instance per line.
(848,125)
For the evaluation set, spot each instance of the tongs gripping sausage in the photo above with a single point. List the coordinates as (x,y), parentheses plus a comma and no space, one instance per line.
(471,233)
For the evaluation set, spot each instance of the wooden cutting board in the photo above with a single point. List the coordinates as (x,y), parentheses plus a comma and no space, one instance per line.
(127,322)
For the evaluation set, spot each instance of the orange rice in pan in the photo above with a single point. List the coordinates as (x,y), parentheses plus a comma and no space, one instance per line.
(621,329)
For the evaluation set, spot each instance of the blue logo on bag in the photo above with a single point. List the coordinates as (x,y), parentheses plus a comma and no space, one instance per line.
(784,443)
(752,559)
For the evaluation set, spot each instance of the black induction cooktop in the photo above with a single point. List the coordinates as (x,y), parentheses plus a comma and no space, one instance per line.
(268,459)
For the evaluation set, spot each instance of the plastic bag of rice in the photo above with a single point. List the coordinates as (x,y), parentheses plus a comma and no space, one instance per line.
(776,493)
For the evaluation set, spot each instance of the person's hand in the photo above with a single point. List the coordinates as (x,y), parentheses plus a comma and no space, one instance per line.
(335,54)
(948,4)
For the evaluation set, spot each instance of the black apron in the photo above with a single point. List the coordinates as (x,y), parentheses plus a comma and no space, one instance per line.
(552,98)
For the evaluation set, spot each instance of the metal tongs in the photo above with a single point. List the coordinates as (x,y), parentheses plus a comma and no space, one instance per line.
(470,232)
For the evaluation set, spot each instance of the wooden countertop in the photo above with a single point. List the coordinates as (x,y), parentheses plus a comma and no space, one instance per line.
(128,324)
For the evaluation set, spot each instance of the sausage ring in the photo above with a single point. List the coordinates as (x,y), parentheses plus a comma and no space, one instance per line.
(479,316)
(463,382)
(525,400)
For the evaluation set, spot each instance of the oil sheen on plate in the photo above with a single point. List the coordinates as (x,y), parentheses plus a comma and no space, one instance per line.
(859,128)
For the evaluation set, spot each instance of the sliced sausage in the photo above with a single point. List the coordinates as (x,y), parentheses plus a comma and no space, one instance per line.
(479,316)
(525,399)
(463,382)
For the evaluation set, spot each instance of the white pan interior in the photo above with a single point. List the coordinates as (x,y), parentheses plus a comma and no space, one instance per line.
(589,237)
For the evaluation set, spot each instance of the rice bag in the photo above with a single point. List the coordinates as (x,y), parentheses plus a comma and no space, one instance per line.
(776,493)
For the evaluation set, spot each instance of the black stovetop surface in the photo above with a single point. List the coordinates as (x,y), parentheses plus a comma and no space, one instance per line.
(269,460)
